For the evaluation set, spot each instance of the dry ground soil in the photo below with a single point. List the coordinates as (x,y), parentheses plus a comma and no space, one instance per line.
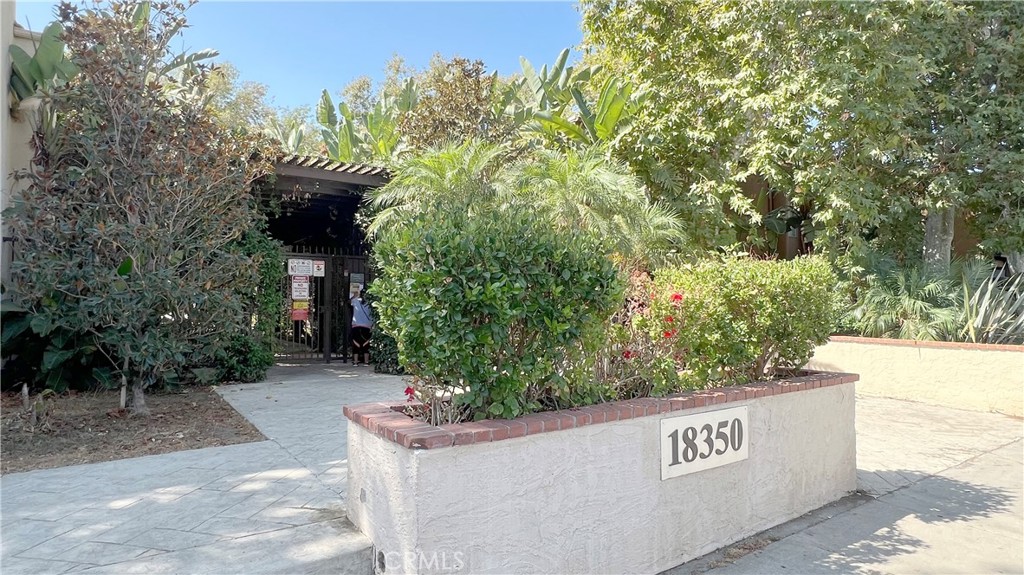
(74,428)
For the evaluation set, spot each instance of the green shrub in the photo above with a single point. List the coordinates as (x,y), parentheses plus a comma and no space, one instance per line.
(740,320)
(384,352)
(486,310)
(264,297)
(908,303)
(250,351)
(47,356)
(383,347)
(246,358)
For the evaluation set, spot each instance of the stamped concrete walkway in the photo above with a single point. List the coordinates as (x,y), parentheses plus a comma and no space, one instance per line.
(274,506)
(942,493)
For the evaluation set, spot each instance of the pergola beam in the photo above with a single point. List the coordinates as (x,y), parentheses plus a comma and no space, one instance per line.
(318,174)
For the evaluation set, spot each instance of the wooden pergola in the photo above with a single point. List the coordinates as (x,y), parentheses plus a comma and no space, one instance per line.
(318,202)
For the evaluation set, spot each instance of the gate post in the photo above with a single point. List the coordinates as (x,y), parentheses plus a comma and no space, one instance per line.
(329,305)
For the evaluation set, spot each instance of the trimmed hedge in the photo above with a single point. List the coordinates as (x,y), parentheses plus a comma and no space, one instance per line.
(488,309)
(740,320)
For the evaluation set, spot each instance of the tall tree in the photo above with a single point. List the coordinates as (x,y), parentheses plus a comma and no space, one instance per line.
(246,105)
(129,221)
(878,117)
(359,95)
(452,101)
(456,103)
(239,103)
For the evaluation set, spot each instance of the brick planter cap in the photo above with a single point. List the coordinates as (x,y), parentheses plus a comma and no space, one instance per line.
(387,420)
(927,344)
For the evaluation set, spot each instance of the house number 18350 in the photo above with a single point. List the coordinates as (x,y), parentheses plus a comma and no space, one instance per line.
(692,443)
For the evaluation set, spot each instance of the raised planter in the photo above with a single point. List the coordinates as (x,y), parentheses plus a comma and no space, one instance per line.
(623,487)
(976,377)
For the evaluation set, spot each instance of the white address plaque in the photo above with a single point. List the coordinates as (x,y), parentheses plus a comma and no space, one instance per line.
(692,443)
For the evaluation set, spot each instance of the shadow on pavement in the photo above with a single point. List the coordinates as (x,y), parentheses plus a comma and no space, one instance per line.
(872,534)
(933,524)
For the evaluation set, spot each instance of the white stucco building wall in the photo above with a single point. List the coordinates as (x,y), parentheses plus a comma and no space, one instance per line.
(6,37)
(15,131)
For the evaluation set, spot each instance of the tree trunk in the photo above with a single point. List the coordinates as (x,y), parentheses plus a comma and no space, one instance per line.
(938,239)
(1016,262)
(139,407)
(124,384)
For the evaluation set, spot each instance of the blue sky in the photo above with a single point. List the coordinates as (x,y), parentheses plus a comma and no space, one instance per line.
(299,48)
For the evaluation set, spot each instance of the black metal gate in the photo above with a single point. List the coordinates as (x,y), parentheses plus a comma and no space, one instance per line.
(315,322)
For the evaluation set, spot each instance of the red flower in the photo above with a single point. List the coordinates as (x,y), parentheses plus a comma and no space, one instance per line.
(628,354)
(677,297)
(669,319)
(670,333)
(410,393)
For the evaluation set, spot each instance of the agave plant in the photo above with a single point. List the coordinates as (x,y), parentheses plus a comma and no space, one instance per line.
(994,313)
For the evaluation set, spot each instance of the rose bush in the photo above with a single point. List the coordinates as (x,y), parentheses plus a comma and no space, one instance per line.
(740,320)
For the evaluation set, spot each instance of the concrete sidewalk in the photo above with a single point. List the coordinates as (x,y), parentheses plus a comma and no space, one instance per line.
(274,506)
(942,493)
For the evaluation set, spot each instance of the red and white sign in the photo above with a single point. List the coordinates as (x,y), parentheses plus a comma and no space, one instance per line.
(300,314)
(300,287)
(319,268)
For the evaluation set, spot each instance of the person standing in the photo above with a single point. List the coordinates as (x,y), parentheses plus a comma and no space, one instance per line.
(362,322)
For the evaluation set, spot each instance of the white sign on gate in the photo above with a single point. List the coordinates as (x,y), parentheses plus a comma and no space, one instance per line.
(692,443)
(297,267)
(300,287)
(319,267)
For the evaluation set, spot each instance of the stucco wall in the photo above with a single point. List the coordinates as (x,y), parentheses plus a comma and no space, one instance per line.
(591,499)
(16,131)
(964,376)
(6,37)
(383,468)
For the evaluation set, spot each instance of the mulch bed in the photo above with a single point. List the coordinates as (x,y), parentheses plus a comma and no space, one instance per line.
(74,428)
